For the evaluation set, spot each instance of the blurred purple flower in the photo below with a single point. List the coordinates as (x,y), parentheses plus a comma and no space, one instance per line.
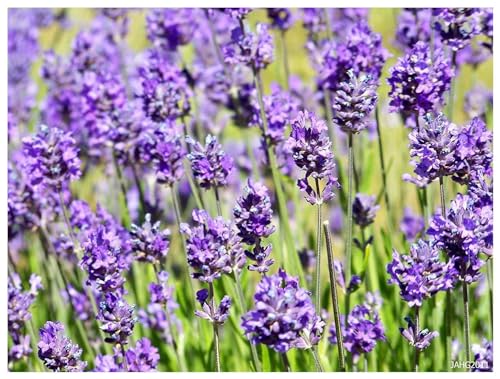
(477,101)
(143,357)
(483,356)
(364,209)
(167,29)
(281,18)
(411,224)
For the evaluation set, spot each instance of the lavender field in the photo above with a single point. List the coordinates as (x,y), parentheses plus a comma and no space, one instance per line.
(236,189)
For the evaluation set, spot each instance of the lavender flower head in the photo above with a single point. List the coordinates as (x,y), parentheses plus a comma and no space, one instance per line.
(253,213)
(51,158)
(483,356)
(57,351)
(312,153)
(462,236)
(457,26)
(216,316)
(353,103)
(210,164)
(361,332)
(477,101)
(168,29)
(420,339)
(418,83)
(281,18)
(411,224)
(420,274)
(414,24)
(237,13)
(213,247)
(255,50)
(149,242)
(117,318)
(283,316)
(143,357)
(364,209)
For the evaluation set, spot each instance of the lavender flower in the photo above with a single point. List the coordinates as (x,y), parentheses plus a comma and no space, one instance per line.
(80,302)
(462,236)
(411,224)
(237,13)
(282,18)
(414,24)
(217,316)
(18,313)
(284,316)
(210,164)
(312,153)
(143,357)
(361,332)
(51,158)
(253,50)
(107,363)
(149,243)
(457,26)
(477,101)
(364,209)
(117,318)
(354,102)
(164,89)
(213,247)
(420,274)
(57,351)
(168,29)
(253,213)
(418,83)
(420,339)
(483,356)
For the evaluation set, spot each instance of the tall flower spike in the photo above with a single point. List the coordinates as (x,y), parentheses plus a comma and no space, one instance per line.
(117,318)
(282,18)
(283,316)
(411,224)
(364,209)
(210,164)
(354,102)
(414,24)
(168,29)
(312,153)
(51,158)
(143,357)
(213,247)
(418,83)
(149,243)
(57,351)
(457,26)
(420,339)
(421,273)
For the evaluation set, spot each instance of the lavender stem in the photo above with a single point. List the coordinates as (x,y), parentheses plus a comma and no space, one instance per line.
(334,295)
(318,253)
(286,362)
(217,201)
(465,289)
(216,329)
(417,330)
(382,161)
(317,362)
(349,222)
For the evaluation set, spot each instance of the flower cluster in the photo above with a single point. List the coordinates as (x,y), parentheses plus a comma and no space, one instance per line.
(283,316)
(421,273)
(364,209)
(168,29)
(51,158)
(361,331)
(117,318)
(281,18)
(312,153)
(418,81)
(57,351)
(457,26)
(420,339)
(214,315)
(213,247)
(149,243)
(483,356)
(143,357)
(414,24)
(353,103)
(411,224)
(210,164)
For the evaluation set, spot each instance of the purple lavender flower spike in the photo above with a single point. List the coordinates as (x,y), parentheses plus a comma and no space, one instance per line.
(418,83)
(312,153)
(168,29)
(149,242)
(421,273)
(57,351)
(457,26)
(210,164)
(283,316)
(420,339)
(411,224)
(107,363)
(260,255)
(361,332)
(483,356)
(51,158)
(217,316)
(117,318)
(253,213)
(364,209)
(143,357)
(353,103)
(462,236)
(282,18)
(414,24)
(213,247)
(477,101)
(80,301)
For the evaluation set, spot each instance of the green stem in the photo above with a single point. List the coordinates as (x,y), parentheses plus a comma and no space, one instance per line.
(241,299)
(142,198)
(217,201)
(382,161)
(317,362)
(489,275)
(125,216)
(286,362)
(417,328)
(349,223)
(451,98)
(216,329)
(334,295)
(124,357)
(465,289)
(318,252)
